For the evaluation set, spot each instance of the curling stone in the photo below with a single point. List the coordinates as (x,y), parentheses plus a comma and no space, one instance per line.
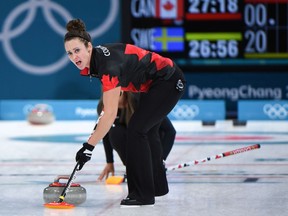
(41,114)
(75,195)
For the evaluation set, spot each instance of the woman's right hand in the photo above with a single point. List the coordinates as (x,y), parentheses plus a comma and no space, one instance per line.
(109,168)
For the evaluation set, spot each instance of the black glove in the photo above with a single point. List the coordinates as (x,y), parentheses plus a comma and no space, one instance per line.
(84,154)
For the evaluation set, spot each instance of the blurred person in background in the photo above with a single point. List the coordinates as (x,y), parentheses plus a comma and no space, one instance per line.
(116,138)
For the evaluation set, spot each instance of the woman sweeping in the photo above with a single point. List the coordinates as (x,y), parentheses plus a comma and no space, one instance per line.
(129,68)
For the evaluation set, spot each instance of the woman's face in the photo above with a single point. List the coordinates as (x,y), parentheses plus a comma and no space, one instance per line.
(78,53)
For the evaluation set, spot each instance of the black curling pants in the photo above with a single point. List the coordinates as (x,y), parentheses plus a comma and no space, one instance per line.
(118,138)
(146,175)
(167,134)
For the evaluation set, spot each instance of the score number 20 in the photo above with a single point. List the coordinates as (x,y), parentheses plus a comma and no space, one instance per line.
(213,49)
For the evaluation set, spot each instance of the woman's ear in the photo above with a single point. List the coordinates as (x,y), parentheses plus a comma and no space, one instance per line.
(90,47)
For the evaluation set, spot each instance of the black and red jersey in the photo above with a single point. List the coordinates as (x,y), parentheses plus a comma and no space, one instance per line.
(128,66)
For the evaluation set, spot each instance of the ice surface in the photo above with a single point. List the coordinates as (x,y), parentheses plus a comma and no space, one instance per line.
(251,184)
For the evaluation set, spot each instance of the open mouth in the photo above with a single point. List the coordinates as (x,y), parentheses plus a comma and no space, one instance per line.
(78,63)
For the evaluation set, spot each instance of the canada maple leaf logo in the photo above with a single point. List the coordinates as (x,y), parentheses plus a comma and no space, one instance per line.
(109,83)
(168,6)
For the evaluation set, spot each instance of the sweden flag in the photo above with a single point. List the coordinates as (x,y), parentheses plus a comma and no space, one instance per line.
(168,39)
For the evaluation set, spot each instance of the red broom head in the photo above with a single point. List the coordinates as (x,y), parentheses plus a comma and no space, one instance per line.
(59,205)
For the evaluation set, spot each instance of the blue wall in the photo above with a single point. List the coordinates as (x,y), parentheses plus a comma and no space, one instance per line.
(33,60)
(34,64)
(235,86)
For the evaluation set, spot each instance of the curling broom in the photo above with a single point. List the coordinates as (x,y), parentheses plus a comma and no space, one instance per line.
(218,156)
(118,179)
(61,204)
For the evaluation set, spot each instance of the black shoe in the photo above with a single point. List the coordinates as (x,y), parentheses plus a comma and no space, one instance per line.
(127,202)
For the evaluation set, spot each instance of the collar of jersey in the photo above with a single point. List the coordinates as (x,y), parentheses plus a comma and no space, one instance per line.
(92,72)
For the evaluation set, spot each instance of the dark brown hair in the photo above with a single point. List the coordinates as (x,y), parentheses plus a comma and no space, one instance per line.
(129,103)
(77,29)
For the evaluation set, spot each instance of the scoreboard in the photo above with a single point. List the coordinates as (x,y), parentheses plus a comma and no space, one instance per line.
(206,34)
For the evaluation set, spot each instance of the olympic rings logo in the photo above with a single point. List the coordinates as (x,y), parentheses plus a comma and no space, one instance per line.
(276,111)
(48,7)
(185,111)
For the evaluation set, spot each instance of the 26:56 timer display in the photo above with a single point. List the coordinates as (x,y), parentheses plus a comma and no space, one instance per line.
(213,49)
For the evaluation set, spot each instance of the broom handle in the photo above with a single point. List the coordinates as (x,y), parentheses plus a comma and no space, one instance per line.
(218,156)
(68,184)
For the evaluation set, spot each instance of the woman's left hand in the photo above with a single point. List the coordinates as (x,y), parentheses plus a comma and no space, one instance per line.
(109,168)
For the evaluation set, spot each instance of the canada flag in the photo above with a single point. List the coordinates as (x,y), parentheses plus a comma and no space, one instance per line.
(169,9)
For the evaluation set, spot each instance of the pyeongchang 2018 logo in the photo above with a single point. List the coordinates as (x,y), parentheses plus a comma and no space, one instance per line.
(276,111)
(49,9)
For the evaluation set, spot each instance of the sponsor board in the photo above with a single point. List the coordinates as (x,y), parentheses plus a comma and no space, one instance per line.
(63,110)
(86,109)
(263,110)
(209,110)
